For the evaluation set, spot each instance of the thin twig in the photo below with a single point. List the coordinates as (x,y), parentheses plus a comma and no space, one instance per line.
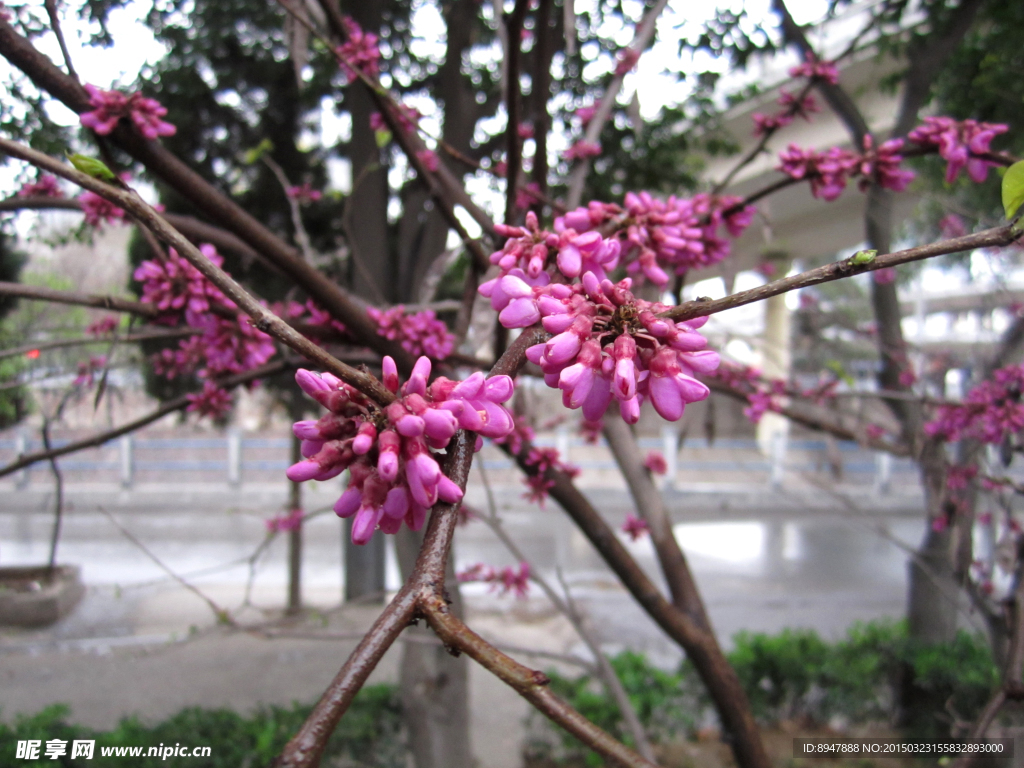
(222,615)
(988,238)
(263,319)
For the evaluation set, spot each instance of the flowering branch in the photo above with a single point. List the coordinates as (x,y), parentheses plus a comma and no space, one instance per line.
(264,320)
(171,333)
(193,187)
(114,303)
(641,39)
(988,238)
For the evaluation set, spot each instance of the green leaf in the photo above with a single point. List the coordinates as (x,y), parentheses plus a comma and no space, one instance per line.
(860,258)
(253,155)
(383,138)
(91,166)
(1013,189)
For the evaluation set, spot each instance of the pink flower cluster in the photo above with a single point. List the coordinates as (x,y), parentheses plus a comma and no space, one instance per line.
(654,237)
(636,528)
(625,60)
(655,463)
(283,523)
(792,107)
(419,333)
(828,171)
(813,68)
(393,475)
(175,287)
(408,118)
(429,159)
(582,149)
(309,313)
(509,579)
(104,326)
(762,396)
(110,106)
(98,210)
(45,186)
(609,344)
(990,412)
(959,143)
(304,194)
(539,484)
(228,344)
(359,53)
(87,371)
(540,459)
(212,401)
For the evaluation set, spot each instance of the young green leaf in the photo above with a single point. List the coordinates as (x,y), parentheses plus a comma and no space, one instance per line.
(860,258)
(91,166)
(1013,189)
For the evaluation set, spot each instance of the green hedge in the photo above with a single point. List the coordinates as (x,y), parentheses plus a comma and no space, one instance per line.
(794,675)
(369,736)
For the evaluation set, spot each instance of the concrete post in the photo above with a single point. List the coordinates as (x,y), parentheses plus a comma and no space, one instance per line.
(779,444)
(234,457)
(883,472)
(670,449)
(125,449)
(21,448)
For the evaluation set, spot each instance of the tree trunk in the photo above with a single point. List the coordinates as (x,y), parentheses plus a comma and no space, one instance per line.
(434,684)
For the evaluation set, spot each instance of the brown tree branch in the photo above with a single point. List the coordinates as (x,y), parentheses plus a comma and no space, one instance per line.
(988,238)
(169,407)
(194,188)
(41,293)
(171,333)
(651,506)
(263,318)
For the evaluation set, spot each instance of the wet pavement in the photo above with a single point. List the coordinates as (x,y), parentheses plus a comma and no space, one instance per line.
(142,643)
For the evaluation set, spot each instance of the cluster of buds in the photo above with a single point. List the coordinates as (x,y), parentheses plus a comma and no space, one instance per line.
(45,186)
(309,313)
(991,412)
(419,333)
(582,149)
(762,395)
(212,401)
(304,194)
(393,475)
(110,106)
(829,171)
(508,579)
(228,343)
(292,521)
(176,287)
(610,345)
(98,210)
(815,69)
(959,143)
(634,527)
(359,53)
(792,106)
(87,371)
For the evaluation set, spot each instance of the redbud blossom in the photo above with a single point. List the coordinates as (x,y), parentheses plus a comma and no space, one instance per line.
(656,463)
(110,106)
(98,210)
(990,412)
(359,53)
(813,68)
(509,579)
(635,527)
(959,143)
(610,345)
(212,401)
(393,474)
(582,149)
(419,333)
(45,186)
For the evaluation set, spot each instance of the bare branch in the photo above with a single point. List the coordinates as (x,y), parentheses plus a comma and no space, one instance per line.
(988,238)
